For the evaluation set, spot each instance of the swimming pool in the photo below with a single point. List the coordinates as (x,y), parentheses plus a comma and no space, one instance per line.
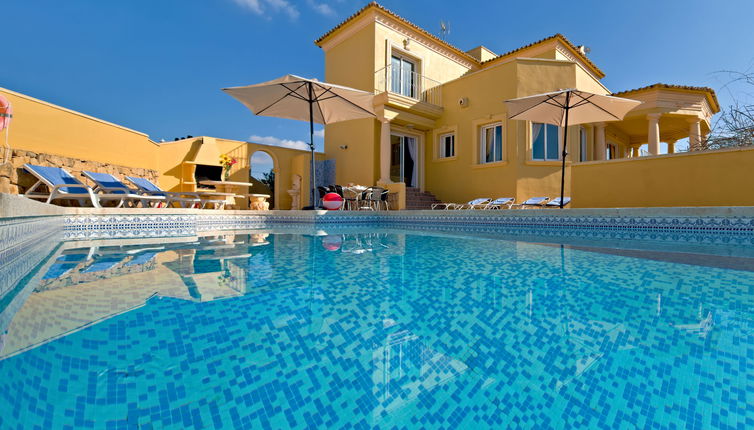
(377,327)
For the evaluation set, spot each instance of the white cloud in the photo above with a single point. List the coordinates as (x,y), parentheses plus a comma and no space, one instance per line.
(319,133)
(321,8)
(261,157)
(276,141)
(263,7)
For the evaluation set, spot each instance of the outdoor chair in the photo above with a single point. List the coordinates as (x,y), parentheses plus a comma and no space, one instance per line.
(349,202)
(383,199)
(146,186)
(500,203)
(109,184)
(321,191)
(370,198)
(537,202)
(64,186)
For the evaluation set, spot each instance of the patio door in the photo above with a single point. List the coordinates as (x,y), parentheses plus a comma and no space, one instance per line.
(403,76)
(404,156)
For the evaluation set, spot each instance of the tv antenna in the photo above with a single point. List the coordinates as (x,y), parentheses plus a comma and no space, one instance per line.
(444,29)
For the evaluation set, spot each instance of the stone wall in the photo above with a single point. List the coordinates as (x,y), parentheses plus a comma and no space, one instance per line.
(15,180)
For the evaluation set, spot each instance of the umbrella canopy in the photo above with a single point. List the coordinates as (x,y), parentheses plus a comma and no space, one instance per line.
(569,107)
(583,107)
(294,97)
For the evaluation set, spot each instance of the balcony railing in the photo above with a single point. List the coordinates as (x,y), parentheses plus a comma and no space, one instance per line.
(409,84)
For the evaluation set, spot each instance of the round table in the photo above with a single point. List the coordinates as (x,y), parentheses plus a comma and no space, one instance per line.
(256,201)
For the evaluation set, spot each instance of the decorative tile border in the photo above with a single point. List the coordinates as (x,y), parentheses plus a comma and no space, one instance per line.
(19,240)
(722,229)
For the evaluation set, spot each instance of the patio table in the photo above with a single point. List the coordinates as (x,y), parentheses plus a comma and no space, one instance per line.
(239,190)
(353,193)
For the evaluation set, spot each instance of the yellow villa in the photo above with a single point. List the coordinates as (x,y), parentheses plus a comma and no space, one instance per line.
(442,122)
(441,132)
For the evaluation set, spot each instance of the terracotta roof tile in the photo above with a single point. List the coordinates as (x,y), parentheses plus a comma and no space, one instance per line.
(392,14)
(562,39)
(709,91)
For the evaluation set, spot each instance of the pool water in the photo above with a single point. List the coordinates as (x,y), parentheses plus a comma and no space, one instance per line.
(377,329)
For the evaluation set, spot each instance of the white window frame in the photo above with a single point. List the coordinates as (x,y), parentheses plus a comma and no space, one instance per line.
(583,144)
(544,130)
(414,89)
(441,153)
(483,143)
(611,154)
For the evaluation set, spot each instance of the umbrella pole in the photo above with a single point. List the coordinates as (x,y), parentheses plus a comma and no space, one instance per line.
(565,143)
(312,173)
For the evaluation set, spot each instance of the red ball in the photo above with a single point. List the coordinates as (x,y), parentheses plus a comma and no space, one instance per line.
(332,201)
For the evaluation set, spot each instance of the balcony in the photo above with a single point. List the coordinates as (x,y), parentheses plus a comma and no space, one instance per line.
(409,90)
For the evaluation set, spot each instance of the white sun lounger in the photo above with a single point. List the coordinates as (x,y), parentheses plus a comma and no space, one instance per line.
(538,202)
(64,186)
(109,184)
(555,203)
(501,202)
(472,204)
(146,186)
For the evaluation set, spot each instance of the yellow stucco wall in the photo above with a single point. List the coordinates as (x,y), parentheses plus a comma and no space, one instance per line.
(712,178)
(462,178)
(176,160)
(43,127)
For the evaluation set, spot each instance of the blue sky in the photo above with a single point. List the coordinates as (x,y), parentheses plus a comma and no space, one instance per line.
(158,66)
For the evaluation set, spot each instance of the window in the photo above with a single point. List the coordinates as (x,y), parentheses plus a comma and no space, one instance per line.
(491,143)
(612,151)
(582,144)
(403,76)
(544,142)
(447,145)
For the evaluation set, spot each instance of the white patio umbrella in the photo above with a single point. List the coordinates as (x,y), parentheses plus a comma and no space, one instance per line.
(294,97)
(569,107)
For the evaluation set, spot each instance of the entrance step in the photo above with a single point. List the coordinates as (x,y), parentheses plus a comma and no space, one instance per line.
(417,200)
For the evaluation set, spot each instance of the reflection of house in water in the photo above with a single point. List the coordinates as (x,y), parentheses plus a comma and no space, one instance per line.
(85,285)
(225,260)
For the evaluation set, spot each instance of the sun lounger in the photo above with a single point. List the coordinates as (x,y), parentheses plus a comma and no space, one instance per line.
(555,203)
(479,203)
(109,184)
(473,204)
(64,186)
(538,202)
(147,187)
(502,202)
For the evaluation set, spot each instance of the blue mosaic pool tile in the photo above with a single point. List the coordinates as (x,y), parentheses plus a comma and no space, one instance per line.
(401,330)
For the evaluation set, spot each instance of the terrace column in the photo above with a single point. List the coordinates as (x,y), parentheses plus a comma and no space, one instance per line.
(695,134)
(653,134)
(385,151)
(671,147)
(599,141)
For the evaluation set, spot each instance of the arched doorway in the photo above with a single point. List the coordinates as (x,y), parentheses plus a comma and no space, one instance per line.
(262,171)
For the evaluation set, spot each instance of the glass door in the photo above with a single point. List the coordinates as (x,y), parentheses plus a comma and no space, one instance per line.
(403,76)
(403,159)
